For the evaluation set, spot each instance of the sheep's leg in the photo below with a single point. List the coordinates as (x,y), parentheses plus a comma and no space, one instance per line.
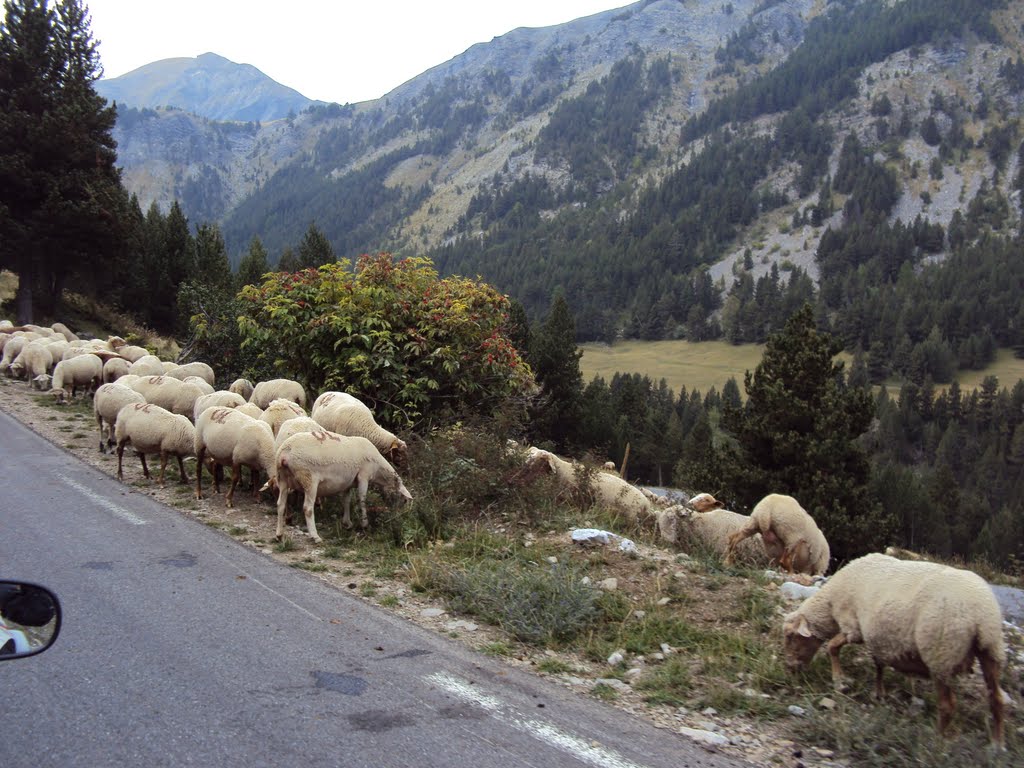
(308,505)
(743,533)
(181,468)
(200,455)
(145,467)
(834,646)
(120,456)
(254,478)
(218,473)
(364,484)
(282,502)
(346,518)
(990,671)
(947,703)
(879,680)
(163,467)
(236,475)
(99,421)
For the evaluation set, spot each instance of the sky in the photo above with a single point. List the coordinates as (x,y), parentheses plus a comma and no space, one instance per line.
(331,50)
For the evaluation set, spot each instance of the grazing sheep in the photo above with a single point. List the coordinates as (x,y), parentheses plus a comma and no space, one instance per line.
(84,371)
(249,409)
(278,412)
(64,331)
(34,360)
(609,490)
(242,387)
(342,413)
(202,370)
(42,382)
(174,395)
(781,520)
(115,368)
(711,530)
(221,398)
(152,429)
(232,439)
(149,365)
(920,618)
(266,392)
(13,348)
(199,381)
(323,463)
(107,403)
(295,426)
(131,352)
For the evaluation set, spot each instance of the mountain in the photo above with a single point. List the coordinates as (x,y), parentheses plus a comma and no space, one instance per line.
(678,169)
(209,86)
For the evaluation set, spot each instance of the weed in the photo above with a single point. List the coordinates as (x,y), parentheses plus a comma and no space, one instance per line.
(389,601)
(238,530)
(497,649)
(604,692)
(332,551)
(285,545)
(368,589)
(310,565)
(554,666)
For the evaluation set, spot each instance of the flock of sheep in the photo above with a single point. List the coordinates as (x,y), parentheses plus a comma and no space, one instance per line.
(917,617)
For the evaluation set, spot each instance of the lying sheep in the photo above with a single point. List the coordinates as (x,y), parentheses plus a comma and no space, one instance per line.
(265,392)
(278,412)
(232,439)
(323,463)
(782,521)
(920,618)
(107,403)
(82,372)
(202,370)
(221,398)
(152,429)
(711,530)
(342,413)
(609,490)
(241,387)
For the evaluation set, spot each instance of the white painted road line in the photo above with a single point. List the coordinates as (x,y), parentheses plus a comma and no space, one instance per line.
(107,504)
(573,745)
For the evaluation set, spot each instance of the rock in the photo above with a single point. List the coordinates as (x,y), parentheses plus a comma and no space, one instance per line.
(553,560)
(709,711)
(796,711)
(667,649)
(639,614)
(794,591)
(432,613)
(827,703)
(468,626)
(609,585)
(633,674)
(705,737)
(613,683)
(665,601)
(617,658)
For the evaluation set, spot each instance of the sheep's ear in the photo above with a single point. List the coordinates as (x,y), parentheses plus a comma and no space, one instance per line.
(803,628)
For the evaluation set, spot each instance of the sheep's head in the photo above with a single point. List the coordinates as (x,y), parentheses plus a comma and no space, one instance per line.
(798,641)
(60,395)
(705,502)
(42,382)
(398,453)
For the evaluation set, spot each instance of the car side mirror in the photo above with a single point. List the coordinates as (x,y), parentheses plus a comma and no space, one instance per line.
(29,619)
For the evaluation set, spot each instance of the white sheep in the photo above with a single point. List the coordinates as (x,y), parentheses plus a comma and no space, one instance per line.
(199,381)
(64,331)
(84,371)
(711,530)
(267,391)
(322,464)
(342,413)
(149,365)
(295,426)
(242,387)
(610,491)
(131,352)
(920,618)
(107,403)
(221,398)
(279,411)
(13,347)
(232,439)
(174,395)
(115,368)
(202,370)
(34,360)
(152,429)
(782,521)
(250,409)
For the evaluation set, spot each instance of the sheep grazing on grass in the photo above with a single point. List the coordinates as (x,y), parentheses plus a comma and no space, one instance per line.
(710,530)
(64,331)
(152,429)
(107,403)
(35,359)
(280,411)
(114,369)
(233,439)
(323,463)
(342,413)
(265,392)
(174,395)
(249,409)
(204,386)
(782,521)
(131,352)
(202,370)
(69,376)
(920,618)
(149,365)
(221,398)
(610,491)
(241,387)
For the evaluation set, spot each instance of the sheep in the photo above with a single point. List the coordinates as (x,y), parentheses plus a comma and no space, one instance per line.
(42,382)
(323,463)
(168,366)
(107,403)
(84,371)
(202,370)
(221,398)
(13,348)
(114,369)
(279,411)
(174,395)
(149,365)
(64,331)
(781,519)
(918,617)
(242,387)
(131,352)
(342,413)
(34,360)
(295,426)
(267,391)
(199,381)
(152,429)
(711,530)
(232,438)
(609,490)
(249,409)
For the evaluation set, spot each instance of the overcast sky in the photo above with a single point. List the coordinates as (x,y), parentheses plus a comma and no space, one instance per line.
(332,50)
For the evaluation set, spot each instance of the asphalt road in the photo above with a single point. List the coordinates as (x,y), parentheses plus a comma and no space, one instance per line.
(181,647)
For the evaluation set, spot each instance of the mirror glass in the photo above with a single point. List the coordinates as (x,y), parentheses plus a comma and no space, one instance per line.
(29,619)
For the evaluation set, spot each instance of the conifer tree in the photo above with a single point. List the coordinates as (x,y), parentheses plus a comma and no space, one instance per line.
(253,265)
(314,249)
(555,360)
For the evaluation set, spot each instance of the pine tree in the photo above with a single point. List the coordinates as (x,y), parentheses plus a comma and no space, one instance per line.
(254,264)
(314,249)
(555,359)
(798,432)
